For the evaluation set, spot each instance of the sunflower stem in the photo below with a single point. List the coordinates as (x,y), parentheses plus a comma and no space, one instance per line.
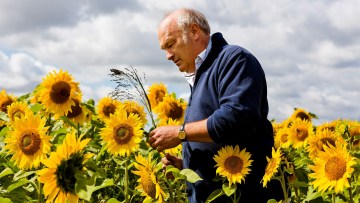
(40,193)
(283,186)
(234,199)
(350,193)
(126,182)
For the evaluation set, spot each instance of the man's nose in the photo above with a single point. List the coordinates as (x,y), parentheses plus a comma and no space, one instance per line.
(169,55)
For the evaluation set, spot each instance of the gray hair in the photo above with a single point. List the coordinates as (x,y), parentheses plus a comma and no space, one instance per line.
(189,16)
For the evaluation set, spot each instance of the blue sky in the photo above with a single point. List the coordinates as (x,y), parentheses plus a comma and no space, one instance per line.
(309,49)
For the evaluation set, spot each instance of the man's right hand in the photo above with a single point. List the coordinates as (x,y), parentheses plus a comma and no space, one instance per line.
(172,160)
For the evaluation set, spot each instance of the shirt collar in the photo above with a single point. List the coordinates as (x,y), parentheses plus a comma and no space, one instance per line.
(190,77)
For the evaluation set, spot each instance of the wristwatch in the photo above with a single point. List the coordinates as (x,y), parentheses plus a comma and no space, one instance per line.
(182,133)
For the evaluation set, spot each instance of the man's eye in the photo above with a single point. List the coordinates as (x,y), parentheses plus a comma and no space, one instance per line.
(172,44)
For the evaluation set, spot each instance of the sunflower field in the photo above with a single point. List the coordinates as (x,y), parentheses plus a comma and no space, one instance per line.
(56,147)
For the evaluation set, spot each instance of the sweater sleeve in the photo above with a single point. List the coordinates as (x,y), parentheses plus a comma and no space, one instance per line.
(240,88)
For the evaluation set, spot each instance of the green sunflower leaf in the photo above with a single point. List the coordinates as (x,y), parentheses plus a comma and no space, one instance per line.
(5,172)
(191,176)
(215,194)
(229,190)
(86,194)
(17,184)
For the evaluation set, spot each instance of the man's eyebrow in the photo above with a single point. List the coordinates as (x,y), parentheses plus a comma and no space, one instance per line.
(165,44)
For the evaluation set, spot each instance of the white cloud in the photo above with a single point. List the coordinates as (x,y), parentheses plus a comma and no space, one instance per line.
(308,49)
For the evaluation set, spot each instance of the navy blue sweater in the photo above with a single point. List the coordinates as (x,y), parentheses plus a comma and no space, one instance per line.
(230,90)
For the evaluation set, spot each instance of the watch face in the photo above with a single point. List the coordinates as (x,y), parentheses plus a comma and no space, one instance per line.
(181,135)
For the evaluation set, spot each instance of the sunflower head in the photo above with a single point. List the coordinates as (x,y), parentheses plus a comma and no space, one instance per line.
(135,108)
(27,141)
(106,107)
(78,113)
(317,141)
(66,171)
(272,166)
(331,126)
(122,133)
(282,138)
(17,109)
(156,93)
(171,107)
(149,185)
(62,167)
(332,168)
(5,100)
(299,131)
(302,114)
(233,164)
(58,92)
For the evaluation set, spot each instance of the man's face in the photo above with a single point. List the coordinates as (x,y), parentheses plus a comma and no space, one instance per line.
(178,46)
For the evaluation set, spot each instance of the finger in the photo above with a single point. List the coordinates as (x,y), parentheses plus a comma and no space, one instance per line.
(159,148)
(170,157)
(151,140)
(152,133)
(166,161)
(154,145)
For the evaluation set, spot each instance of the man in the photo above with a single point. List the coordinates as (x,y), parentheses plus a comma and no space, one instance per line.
(227,106)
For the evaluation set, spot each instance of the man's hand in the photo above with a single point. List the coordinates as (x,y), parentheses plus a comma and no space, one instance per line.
(170,160)
(164,137)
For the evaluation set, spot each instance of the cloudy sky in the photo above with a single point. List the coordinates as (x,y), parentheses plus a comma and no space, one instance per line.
(309,49)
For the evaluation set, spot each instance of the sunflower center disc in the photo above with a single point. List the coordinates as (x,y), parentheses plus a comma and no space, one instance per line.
(175,111)
(109,109)
(122,133)
(75,110)
(159,96)
(5,104)
(335,168)
(29,142)
(60,92)
(233,164)
(301,134)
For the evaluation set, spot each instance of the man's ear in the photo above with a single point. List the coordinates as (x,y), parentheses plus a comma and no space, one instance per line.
(194,30)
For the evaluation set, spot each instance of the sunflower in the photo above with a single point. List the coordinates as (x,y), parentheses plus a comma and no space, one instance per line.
(78,113)
(156,93)
(332,168)
(122,133)
(277,126)
(302,114)
(320,139)
(175,151)
(27,141)
(5,100)
(299,131)
(327,125)
(106,107)
(171,107)
(58,92)
(282,138)
(148,183)
(17,109)
(233,163)
(136,108)
(62,166)
(272,166)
